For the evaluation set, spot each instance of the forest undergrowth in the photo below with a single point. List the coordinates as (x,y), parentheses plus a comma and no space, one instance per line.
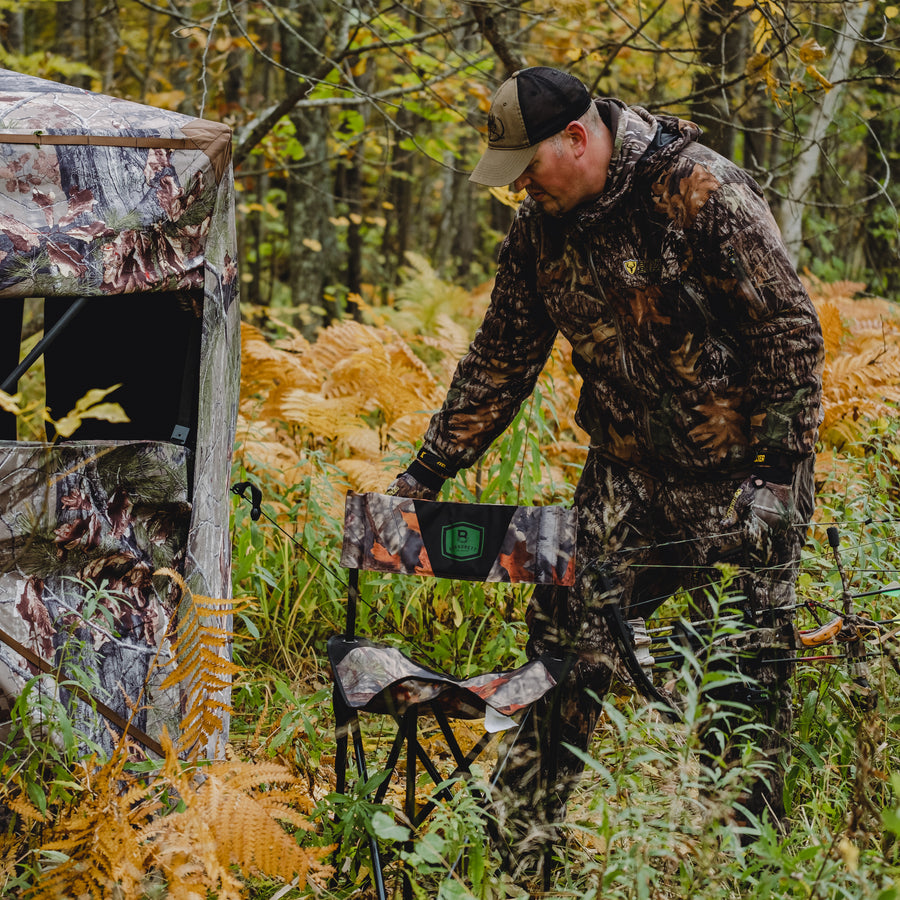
(650,818)
(345,412)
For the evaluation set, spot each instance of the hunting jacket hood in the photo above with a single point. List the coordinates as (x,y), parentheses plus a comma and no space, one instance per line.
(698,346)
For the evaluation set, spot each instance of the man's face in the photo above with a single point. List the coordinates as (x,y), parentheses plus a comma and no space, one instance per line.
(550,178)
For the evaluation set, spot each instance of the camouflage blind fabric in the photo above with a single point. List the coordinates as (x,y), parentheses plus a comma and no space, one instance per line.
(127,207)
(473,542)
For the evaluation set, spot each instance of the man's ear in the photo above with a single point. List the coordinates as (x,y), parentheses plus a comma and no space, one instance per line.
(578,135)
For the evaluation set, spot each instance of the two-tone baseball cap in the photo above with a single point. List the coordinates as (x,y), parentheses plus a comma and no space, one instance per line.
(530,106)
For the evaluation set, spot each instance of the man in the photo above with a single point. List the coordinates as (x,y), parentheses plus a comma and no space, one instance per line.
(701,357)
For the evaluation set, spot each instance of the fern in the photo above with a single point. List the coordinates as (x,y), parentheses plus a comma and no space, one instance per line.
(120,836)
(202,663)
(364,393)
(99,837)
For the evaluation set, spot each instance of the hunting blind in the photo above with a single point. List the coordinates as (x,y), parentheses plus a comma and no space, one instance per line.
(117,225)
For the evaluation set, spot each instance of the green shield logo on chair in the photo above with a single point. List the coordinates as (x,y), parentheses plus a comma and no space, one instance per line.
(462,540)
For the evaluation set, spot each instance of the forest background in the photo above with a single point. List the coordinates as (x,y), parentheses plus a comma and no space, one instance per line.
(366,258)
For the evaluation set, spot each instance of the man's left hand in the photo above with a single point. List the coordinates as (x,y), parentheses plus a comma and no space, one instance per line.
(769,501)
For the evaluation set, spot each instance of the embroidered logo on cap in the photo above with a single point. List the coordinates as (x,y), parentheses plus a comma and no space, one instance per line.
(496,129)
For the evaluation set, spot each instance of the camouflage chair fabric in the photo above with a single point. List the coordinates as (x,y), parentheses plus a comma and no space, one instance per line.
(475,542)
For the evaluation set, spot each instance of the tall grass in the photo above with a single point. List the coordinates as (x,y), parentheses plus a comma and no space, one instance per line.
(648,820)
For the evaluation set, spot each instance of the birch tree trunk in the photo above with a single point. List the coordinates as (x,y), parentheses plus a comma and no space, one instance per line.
(808,161)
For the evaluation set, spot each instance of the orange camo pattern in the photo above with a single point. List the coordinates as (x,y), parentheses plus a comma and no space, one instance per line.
(383,533)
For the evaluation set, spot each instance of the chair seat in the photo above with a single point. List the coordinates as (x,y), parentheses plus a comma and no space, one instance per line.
(381,679)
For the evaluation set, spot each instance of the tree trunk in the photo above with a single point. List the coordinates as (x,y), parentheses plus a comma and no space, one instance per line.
(879,235)
(455,239)
(14,31)
(71,36)
(722,50)
(395,242)
(807,163)
(309,202)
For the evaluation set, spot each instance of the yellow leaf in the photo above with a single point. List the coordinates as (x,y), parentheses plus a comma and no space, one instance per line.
(10,403)
(66,426)
(166,99)
(758,66)
(890,12)
(313,245)
(507,197)
(108,412)
(93,396)
(814,73)
(849,853)
(811,50)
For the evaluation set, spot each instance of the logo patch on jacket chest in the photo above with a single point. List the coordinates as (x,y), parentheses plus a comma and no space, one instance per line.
(643,266)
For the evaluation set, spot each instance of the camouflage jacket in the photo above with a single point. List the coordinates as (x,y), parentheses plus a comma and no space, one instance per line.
(697,344)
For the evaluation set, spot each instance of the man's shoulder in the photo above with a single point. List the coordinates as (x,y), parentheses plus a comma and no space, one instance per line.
(697,183)
(697,156)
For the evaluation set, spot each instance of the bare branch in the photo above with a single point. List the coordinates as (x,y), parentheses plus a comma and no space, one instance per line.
(488,27)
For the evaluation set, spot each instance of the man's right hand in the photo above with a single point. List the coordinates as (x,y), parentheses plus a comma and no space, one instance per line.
(406,485)
(423,478)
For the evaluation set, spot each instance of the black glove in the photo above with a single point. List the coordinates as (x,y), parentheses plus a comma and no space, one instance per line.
(420,481)
(767,494)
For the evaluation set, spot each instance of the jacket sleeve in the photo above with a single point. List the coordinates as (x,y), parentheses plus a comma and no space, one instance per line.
(774,318)
(503,362)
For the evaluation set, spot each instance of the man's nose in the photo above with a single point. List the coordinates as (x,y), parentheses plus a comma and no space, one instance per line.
(521,183)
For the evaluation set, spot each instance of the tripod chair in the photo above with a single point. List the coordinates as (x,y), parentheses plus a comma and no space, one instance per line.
(472,542)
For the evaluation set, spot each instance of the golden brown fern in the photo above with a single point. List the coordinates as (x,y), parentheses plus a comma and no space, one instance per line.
(99,837)
(861,380)
(202,665)
(119,837)
(230,817)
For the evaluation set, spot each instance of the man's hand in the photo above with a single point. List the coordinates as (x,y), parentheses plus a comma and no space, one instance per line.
(406,485)
(423,479)
(769,501)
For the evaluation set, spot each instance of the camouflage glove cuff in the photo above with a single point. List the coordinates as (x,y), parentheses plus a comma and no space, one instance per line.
(774,468)
(433,464)
(423,479)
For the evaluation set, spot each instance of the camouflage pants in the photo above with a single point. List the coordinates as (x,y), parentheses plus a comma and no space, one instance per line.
(650,538)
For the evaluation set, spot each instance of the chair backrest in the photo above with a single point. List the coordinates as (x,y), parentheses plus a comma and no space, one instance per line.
(469,541)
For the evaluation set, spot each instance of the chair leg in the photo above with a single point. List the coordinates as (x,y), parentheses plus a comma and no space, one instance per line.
(412,754)
(392,760)
(347,723)
(463,763)
(341,730)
